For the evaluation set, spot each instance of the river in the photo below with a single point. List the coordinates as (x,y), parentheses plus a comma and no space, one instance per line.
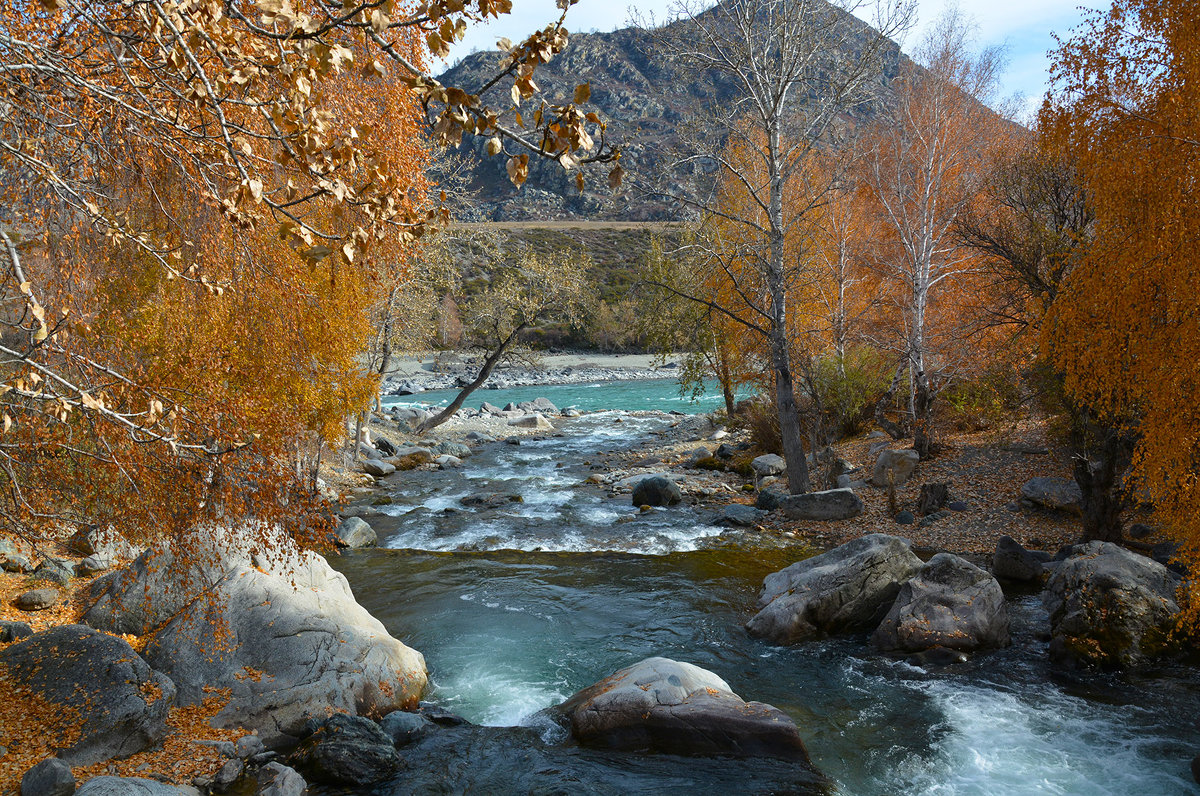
(516,608)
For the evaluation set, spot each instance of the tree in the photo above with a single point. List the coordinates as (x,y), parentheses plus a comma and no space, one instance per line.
(1123,328)
(922,161)
(519,298)
(201,200)
(795,71)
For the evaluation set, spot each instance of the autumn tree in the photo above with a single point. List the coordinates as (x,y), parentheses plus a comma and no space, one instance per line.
(793,82)
(201,201)
(1123,326)
(521,295)
(923,163)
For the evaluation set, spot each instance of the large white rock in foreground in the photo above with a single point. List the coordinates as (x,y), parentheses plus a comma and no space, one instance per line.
(276,626)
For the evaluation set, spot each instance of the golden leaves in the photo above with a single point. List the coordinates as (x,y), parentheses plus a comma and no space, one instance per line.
(518,168)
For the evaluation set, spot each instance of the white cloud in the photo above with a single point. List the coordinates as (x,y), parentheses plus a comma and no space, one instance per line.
(1023,26)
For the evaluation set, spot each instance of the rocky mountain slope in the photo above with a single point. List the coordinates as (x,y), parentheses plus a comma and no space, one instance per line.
(643,99)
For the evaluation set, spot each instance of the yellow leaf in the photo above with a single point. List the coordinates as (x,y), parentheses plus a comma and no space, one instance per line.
(582,93)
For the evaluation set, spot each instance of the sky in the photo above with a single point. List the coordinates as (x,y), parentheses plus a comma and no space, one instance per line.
(1022,27)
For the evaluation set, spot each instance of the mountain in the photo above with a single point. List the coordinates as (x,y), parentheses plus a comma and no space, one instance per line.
(642,98)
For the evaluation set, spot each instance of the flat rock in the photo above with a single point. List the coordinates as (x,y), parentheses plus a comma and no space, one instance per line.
(673,707)
(832,504)
(534,421)
(377,467)
(848,588)
(1057,494)
(37,599)
(282,613)
(119,701)
(131,786)
(949,603)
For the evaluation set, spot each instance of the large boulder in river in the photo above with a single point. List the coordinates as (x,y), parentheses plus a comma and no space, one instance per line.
(949,603)
(244,609)
(1057,494)
(535,421)
(848,588)
(896,466)
(105,699)
(668,706)
(656,490)
(1011,561)
(354,532)
(832,504)
(1109,607)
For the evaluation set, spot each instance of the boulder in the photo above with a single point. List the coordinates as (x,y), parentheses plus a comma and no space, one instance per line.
(489,409)
(91,565)
(768,464)
(1011,561)
(848,588)
(14,631)
(228,774)
(899,463)
(54,570)
(657,490)
(832,504)
(738,515)
(17,563)
(347,750)
(276,611)
(480,438)
(103,543)
(354,532)
(677,708)
(131,786)
(905,518)
(1057,494)
(37,599)
(949,603)
(1109,607)
(404,727)
(770,499)
(276,779)
(377,467)
(97,683)
(491,500)
(455,449)
(51,777)
(534,421)
(446,461)
(385,446)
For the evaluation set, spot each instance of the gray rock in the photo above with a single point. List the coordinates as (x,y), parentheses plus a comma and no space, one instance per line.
(958,505)
(535,421)
(1011,561)
(230,773)
(54,570)
(405,727)
(480,437)
(91,565)
(446,461)
(739,515)
(832,504)
(491,500)
(848,588)
(51,777)
(131,786)
(8,547)
(347,750)
(572,413)
(905,518)
(14,631)
(768,464)
(1109,607)
(354,532)
(122,702)
(949,603)
(37,599)
(770,499)
(276,779)
(725,451)
(656,491)
(455,449)
(104,543)
(377,467)
(283,612)
(677,708)
(1058,494)
(248,746)
(489,409)
(900,463)
(17,563)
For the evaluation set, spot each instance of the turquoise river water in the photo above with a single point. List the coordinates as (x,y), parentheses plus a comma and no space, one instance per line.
(517,608)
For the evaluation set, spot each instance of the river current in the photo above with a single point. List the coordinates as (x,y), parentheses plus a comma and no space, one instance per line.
(517,607)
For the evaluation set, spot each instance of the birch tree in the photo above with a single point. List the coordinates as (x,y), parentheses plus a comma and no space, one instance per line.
(922,163)
(791,72)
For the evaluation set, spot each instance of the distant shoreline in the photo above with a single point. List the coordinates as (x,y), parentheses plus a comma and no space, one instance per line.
(448,370)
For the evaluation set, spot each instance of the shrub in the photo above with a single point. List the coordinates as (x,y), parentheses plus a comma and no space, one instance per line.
(985,401)
(848,395)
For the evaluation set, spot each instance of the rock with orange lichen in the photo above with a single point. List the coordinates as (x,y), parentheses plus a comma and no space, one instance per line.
(669,706)
(277,627)
(949,603)
(103,699)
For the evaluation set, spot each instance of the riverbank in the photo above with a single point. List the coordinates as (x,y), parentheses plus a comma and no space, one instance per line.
(446,370)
